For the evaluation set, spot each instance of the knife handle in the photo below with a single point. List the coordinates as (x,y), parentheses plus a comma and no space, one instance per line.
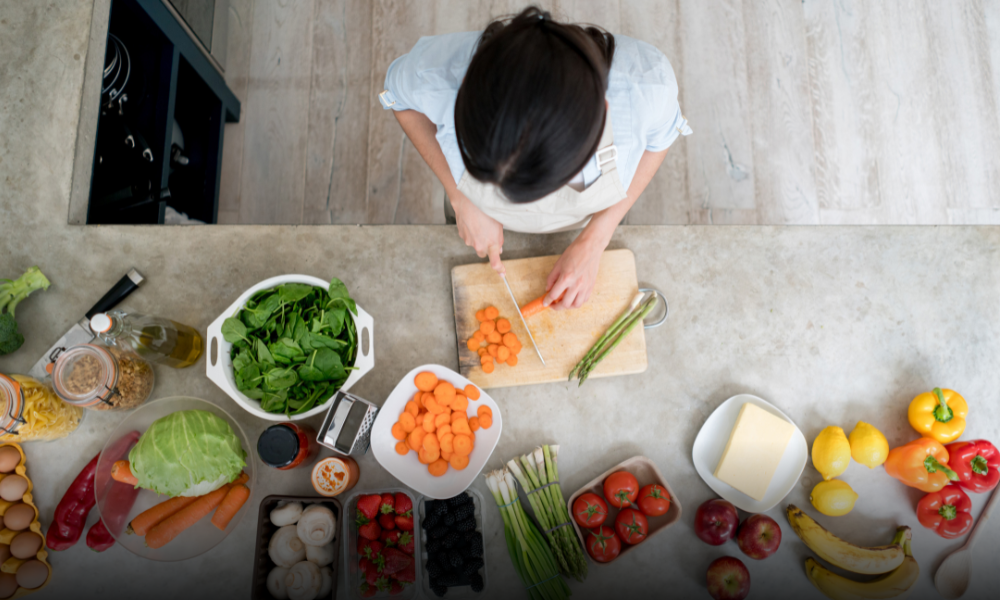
(125,286)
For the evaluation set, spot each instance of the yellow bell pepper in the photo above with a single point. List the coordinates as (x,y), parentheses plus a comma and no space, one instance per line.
(939,415)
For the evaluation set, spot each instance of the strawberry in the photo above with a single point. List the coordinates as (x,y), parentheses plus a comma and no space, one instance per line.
(395,587)
(367,591)
(405,522)
(370,531)
(366,565)
(372,577)
(403,504)
(388,504)
(405,542)
(389,538)
(382,584)
(387,521)
(368,505)
(368,548)
(407,574)
(396,561)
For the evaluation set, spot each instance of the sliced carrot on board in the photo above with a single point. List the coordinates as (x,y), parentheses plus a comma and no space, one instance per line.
(479,336)
(462,445)
(491,312)
(472,392)
(512,360)
(425,381)
(488,367)
(438,468)
(402,448)
(480,315)
(486,421)
(503,326)
(494,338)
(408,422)
(509,339)
(458,461)
(460,403)
(487,327)
(472,344)
(474,424)
(398,432)
(493,349)
(482,351)
(503,353)
(516,348)
(413,408)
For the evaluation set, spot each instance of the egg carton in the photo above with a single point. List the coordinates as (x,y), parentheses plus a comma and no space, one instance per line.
(12,564)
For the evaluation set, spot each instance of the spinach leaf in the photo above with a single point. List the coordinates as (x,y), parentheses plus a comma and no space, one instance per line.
(255,393)
(262,353)
(285,351)
(274,402)
(293,292)
(318,340)
(279,379)
(233,330)
(334,320)
(328,362)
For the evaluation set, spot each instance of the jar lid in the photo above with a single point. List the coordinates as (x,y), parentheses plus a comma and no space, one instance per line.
(100,323)
(278,446)
(11,404)
(85,375)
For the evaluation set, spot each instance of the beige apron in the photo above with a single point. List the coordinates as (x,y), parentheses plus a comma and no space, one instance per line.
(562,210)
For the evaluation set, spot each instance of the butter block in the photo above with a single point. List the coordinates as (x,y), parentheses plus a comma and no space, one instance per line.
(754,450)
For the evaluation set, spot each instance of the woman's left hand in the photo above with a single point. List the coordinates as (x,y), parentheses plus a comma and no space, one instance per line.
(573,276)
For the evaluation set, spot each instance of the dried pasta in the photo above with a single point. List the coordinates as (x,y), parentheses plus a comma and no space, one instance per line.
(46,416)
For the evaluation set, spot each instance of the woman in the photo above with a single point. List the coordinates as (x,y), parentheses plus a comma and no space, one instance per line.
(538,126)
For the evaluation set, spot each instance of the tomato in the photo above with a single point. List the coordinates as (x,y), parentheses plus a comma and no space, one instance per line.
(603,544)
(654,501)
(620,489)
(631,526)
(590,510)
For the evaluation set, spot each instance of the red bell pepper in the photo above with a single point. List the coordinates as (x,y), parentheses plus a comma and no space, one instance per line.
(947,512)
(977,464)
(99,538)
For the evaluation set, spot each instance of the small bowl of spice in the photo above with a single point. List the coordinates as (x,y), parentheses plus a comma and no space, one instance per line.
(102,378)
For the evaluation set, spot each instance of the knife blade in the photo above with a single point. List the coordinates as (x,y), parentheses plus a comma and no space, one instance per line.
(523,322)
(80,332)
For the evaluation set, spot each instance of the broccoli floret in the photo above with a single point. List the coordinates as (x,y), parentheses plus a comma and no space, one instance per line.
(11,293)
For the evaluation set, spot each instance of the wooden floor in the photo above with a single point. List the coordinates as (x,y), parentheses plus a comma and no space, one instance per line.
(804,111)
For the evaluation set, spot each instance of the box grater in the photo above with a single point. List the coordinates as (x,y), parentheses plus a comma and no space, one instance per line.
(347,426)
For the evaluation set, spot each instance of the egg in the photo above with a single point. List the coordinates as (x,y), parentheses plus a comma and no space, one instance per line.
(32,574)
(13,487)
(8,585)
(18,517)
(25,544)
(9,457)
(4,553)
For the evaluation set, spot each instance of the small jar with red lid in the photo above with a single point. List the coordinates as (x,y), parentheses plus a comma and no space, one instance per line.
(287,445)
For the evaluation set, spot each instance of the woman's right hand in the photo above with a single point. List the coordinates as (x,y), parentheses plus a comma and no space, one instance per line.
(478,230)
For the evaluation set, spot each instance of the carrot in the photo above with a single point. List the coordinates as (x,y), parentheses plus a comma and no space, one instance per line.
(426,456)
(402,448)
(415,439)
(407,422)
(425,381)
(486,421)
(474,424)
(484,410)
(418,421)
(168,529)
(510,340)
(479,336)
(491,312)
(533,308)
(429,425)
(431,443)
(444,390)
(438,467)
(488,367)
(516,349)
(151,517)
(446,443)
(482,351)
(480,315)
(461,427)
(493,349)
(512,360)
(460,403)
(503,326)
(442,430)
(442,419)
(445,455)
(121,472)
(231,504)
(494,338)
(398,432)
(503,353)
(416,400)
(459,461)
(413,408)
(432,405)
(472,345)
(485,358)
(487,327)
(462,445)
(472,392)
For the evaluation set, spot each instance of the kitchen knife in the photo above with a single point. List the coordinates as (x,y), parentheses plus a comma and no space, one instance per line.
(80,332)
(523,322)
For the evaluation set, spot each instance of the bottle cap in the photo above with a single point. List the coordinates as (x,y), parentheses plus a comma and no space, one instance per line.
(100,323)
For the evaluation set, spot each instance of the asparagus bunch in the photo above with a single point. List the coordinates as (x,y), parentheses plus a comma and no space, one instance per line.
(540,468)
(618,331)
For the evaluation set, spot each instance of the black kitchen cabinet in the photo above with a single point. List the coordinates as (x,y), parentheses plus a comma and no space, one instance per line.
(164,106)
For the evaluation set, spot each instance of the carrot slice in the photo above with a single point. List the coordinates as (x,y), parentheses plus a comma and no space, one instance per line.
(431,444)
(432,405)
(493,349)
(512,360)
(461,427)
(429,426)
(152,516)
(446,443)
(509,339)
(472,392)
(438,467)
(462,445)
(486,421)
(503,353)
(416,439)
(413,408)
(402,448)
(491,312)
(426,456)
(503,326)
(458,461)
(407,422)
(442,419)
(480,315)
(472,344)
(482,351)
(488,367)
(231,504)
(474,424)
(494,338)
(479,336)
(398,432)
(460,403)
(442,431)
(484,410)
(445,455)
(487,327)
(425,381)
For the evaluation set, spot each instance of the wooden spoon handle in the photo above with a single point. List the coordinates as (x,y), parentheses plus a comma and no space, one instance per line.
(984,516)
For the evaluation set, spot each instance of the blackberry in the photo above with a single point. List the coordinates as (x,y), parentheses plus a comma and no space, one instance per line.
(434,568)
(440,590)
(449,519)
(458,500)
(476,548)
(434,545)
(439,532)
(452,539)
(466,525)
(431,521)
(476,581)
(455,559)
(455,580)
(464,512)
(472,566)
(440,509)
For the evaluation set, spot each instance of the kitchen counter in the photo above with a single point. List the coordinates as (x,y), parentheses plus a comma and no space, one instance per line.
(832,325)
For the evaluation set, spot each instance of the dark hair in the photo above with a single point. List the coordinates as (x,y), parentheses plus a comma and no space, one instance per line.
(530,111)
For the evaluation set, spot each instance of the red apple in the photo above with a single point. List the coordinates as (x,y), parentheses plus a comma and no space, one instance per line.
(728,579)
(716,521)
(759,537)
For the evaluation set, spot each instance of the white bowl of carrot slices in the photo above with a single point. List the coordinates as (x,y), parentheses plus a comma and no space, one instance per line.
(435,431)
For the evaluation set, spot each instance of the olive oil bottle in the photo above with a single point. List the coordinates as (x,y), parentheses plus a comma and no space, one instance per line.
(156,339)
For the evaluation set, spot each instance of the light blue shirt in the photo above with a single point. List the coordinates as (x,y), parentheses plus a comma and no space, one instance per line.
(642,97)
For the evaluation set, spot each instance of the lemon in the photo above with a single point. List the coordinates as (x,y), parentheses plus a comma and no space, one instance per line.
(831,452)
(868,446)
(833,498)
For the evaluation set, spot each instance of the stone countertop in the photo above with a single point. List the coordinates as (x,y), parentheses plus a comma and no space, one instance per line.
(832,325)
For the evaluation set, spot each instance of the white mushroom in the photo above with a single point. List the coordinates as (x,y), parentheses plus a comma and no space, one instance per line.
(327,574)
(285,548)
(287,514)
(321,555)
(303,581)
(317,525)
(276,583)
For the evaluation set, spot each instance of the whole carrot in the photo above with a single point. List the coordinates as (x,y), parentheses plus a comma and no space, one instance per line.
(536,306)
(122,472)
(231,504)
(151,517)
(165,531)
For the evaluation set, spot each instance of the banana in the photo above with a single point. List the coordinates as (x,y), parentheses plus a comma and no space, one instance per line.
(889,585)
(867,561)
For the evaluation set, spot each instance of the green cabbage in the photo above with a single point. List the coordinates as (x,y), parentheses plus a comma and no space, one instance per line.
(187,453)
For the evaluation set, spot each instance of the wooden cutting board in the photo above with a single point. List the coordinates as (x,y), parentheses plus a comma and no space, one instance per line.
(563,336)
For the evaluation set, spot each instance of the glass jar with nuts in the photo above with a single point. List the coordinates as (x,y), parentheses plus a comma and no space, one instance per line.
(102,378)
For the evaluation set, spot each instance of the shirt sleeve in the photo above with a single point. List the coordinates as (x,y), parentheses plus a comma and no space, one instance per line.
(657,104)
